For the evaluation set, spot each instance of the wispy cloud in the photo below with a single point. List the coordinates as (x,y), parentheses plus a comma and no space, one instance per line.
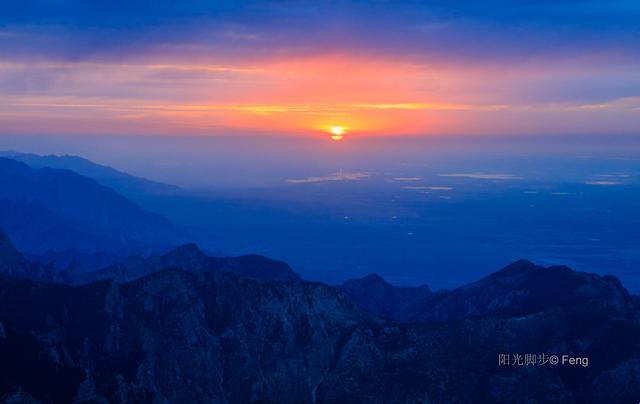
(341,176)
(605,183)
(407,179)
(483,176)
(419,187)
(614,175)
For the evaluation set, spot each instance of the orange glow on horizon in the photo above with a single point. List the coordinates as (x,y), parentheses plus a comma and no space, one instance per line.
(328,95)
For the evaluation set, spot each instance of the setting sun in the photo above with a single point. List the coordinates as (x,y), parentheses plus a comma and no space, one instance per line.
(337,132)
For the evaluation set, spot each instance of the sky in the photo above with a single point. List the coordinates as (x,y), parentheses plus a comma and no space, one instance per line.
(301,68)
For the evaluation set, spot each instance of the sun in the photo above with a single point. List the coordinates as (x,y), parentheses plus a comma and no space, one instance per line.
(337,132)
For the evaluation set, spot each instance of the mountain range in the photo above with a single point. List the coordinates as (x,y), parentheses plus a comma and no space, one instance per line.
(187,257)
(66,210)
(190,258)
(520,288)
(102,301)
(186,331)
(126,184)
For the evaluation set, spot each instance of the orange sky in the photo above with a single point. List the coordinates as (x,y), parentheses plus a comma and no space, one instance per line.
(300,95)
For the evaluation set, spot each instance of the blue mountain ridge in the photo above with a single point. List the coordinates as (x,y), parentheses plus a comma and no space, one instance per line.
(53,209)
(210,335)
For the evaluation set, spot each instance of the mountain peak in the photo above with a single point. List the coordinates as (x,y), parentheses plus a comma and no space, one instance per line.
(189,250)
(518,267)
(257,266)
(190,258)
(371,279)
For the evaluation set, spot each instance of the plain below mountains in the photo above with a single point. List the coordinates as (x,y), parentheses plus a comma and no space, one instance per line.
(54,209)
(186,331)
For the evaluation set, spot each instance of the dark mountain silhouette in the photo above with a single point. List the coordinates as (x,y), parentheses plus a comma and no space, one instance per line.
(187,257)
(521,288)
(379,297)
(213,336)
(190,258)
(69,211)
(124,183)
(173,335)
(206,335)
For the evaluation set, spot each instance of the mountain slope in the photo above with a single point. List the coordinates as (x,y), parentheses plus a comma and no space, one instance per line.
(11,261)
(14,265)
(36,229)
(178,336)
(458,361)
(66,203)
(379,297)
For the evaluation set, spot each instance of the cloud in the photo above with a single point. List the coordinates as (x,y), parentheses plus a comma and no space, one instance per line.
(610,179)
(625,158)
(614,175)
(407,179)
(483,176)
(341,176)
(605,183)
(417,187)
